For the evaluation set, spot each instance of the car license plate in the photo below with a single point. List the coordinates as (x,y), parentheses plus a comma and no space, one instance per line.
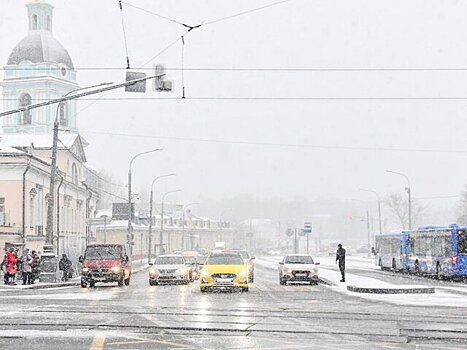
(224,280)
(300,275)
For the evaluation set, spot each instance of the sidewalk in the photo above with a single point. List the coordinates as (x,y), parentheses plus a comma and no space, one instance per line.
(138,266)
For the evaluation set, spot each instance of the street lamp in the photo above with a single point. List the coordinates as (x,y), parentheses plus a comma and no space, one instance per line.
(162,221)
(409,194)
(48,272)
(150,211)
(129,233)
(183,222)
(379,207)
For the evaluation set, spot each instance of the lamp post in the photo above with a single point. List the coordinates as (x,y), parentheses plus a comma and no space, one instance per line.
(379,207)
(162,221)
(409,194)
(48,266)
(183,222)
(150,212)
(130,212)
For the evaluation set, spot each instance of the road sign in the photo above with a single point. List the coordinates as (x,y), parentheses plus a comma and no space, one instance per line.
(139,86)
(98,221)
(307,228)
(120,211)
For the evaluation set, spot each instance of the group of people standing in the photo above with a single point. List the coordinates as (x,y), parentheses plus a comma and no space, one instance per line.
(27,264)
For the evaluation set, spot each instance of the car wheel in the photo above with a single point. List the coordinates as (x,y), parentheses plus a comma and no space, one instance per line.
(92,284)
(245,289)
(84,284)
(203,289)
(151,283)
(127,281)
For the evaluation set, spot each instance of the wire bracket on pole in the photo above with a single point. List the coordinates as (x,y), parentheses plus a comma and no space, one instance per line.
(183,75)
(124,35)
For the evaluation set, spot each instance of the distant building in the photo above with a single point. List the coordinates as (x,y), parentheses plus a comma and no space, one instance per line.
(40,68)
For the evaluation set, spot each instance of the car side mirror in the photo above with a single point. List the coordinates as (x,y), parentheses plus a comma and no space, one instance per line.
(317,263)
(81,259)
(252,258)
(281,263)
(150,264)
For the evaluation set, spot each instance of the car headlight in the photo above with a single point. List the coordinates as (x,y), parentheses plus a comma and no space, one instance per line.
(205,273)
(182,271)
(115,269)
(85,269)
(244,273)
(152,271)
(288,270)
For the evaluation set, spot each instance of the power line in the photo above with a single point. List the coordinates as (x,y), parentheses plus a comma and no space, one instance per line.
(257,69)
(245,12)
(289,145)
(439,197)
(274,98)
(154,13)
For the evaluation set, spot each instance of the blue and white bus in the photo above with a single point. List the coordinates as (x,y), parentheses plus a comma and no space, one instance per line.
(388,250)
(427,250)
(437,250)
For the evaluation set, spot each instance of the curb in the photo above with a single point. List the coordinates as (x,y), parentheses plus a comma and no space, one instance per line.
(370,290)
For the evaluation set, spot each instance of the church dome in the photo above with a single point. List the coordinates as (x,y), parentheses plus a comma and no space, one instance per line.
(40,46)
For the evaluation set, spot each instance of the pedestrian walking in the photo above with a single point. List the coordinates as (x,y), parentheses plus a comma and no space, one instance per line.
(26,266)
(4,265)
(65,265)
(11,269)
(340,258)
(35,266)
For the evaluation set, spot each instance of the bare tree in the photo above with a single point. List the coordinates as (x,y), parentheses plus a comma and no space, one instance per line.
(399,210)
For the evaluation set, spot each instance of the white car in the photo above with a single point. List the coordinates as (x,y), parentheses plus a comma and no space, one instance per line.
(298,268)
(169,268)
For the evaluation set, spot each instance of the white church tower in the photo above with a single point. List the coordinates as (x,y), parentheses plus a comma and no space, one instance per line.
(39,68)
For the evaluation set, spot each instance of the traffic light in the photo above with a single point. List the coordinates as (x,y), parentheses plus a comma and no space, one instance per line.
(307,229)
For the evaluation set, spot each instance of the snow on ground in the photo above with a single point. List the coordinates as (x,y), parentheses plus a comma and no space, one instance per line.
(329,271)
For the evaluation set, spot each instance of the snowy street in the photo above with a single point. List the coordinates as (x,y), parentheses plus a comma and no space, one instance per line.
(270,316)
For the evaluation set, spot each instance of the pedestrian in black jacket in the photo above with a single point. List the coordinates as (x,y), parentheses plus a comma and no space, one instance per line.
(340,257)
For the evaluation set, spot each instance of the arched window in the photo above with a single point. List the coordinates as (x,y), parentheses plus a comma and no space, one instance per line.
(34,22)
(74,174)
(25,100)
(63,114)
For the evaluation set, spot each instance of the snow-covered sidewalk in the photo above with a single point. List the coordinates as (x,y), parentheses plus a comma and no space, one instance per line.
(331,273)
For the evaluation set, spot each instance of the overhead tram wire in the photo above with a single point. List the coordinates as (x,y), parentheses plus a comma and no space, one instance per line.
(273,98)
(259,69)
(288,145)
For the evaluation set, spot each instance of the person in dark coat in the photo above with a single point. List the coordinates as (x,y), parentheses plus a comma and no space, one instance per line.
(4,264)
(35,266)
(65,265)
(340,258)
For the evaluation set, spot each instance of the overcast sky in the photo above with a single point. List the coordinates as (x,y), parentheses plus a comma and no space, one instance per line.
(221,148)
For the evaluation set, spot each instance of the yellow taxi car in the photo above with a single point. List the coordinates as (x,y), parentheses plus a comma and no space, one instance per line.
(224,270)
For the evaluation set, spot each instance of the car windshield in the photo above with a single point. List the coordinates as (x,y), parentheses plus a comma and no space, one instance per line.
(191,259)
(103,252)
(169,260)
(225,259)
(299,259)
(244,254)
